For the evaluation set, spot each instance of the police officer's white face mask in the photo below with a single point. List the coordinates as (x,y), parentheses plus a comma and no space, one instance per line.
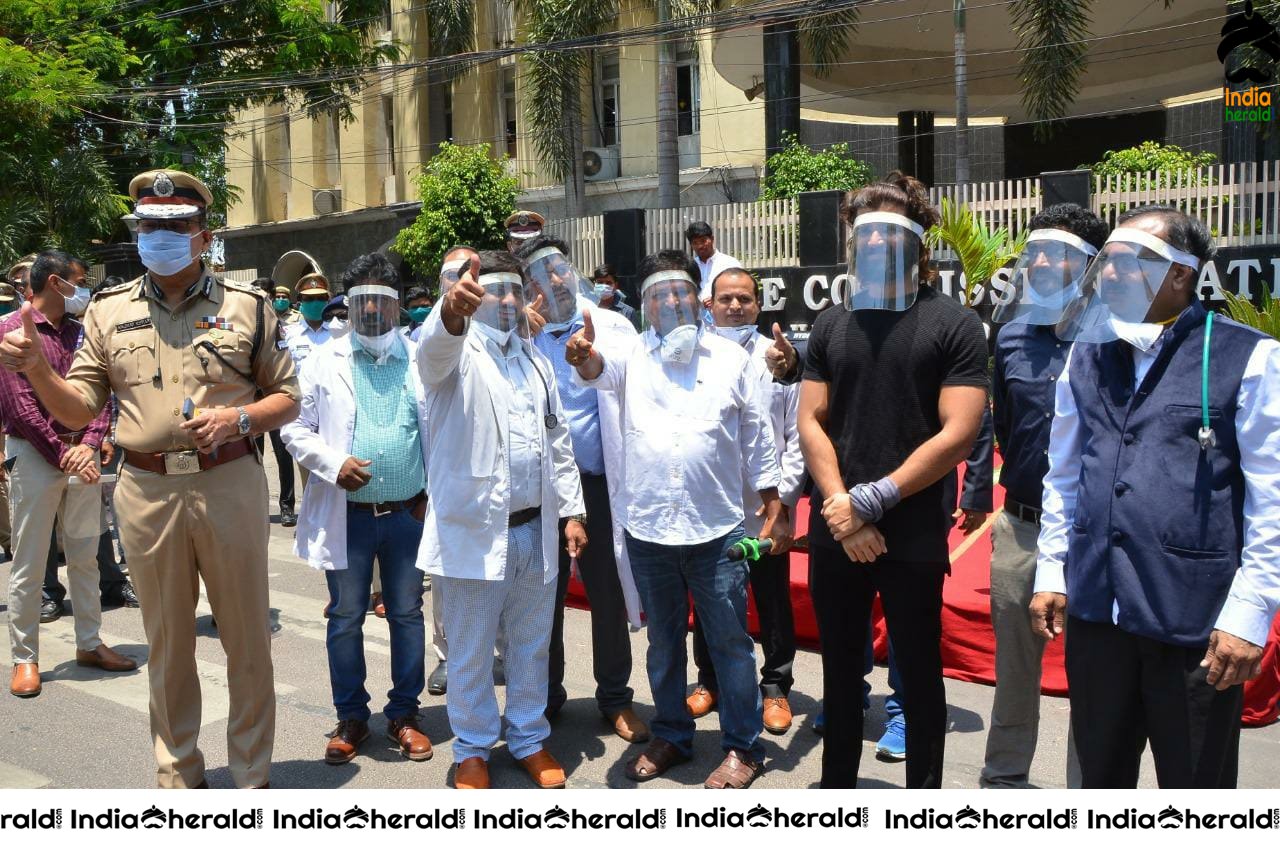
(167,253)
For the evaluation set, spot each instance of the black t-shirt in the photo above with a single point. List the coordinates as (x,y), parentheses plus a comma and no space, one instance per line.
(885,370)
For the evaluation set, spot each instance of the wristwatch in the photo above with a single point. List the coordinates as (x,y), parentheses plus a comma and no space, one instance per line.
(245,423)
(578,517)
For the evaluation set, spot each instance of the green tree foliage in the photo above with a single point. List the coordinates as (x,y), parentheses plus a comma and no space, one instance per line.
(1148,157)
(798,169)
(466,195)
(113,88)
(980,250)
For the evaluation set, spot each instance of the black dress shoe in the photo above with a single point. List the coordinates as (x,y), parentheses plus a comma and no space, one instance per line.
(287,517)
(130,597)
(438,680)
(50,610)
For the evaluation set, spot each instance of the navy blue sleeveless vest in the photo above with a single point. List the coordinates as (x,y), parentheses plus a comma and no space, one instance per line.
(1159,521)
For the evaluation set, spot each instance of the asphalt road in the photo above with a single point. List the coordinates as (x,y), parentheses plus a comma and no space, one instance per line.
(88,729)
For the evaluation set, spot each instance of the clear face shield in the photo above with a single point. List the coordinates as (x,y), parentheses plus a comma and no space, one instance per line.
(884,262)
(670,305)
(374,315)
(501,312)
(552,275)
(1118,288)
(1045,278)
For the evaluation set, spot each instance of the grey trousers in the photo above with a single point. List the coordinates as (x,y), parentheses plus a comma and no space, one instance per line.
(1015,713)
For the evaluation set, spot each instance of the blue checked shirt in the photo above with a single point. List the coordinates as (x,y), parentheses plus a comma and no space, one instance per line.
(580,404)
(386,429)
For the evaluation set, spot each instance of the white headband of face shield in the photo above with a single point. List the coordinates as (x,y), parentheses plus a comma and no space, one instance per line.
(455,264)
(888,217)
(664,276)
(372,290)
(508,279)
(543,253)
(1065,237)
(1171,253)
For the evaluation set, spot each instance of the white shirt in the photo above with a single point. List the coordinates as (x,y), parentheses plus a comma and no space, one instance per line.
(301,340)
(525,412)
(1255,590)
(779,403)
(711,268)
(691,432)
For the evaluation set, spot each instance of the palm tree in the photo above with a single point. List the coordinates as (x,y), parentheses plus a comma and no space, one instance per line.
(1051,34)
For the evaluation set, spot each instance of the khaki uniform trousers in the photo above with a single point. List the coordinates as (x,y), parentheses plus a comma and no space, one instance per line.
(39,493)
(178,530)
(1015,712)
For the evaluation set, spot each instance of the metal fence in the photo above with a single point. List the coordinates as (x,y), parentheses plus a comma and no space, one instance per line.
(759,234)
(1239,203)
(1008,204)
(585,237)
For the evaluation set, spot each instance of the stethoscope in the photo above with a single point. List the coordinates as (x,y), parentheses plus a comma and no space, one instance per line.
(1207,437)
(551,421)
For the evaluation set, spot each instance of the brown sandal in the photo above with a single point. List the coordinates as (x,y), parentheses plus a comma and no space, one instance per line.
(656,758)
(737,771)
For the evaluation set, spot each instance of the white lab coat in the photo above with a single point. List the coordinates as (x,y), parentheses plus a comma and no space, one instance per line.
(781,402)
(469,488)
(320,439)
(615,335)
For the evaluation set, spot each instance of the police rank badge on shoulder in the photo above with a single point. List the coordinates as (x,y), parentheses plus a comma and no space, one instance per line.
(214,323)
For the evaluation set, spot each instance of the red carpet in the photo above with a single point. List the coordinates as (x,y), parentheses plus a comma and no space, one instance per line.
(968,644)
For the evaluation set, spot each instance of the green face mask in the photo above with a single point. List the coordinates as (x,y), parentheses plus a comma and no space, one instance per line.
(419,314)
(281,305)
(313,311)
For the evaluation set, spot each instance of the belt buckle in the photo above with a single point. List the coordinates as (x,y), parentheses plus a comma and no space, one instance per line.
(181,463)
(381,508)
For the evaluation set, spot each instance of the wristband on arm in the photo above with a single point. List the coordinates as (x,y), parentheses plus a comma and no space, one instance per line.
(871,501)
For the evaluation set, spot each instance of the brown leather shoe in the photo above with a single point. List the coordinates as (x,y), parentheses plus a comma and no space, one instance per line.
(472,773)
(544,770)
(106,659)
(412,741)
(736,772)
(656,758)
(777,715)
(627,724)
(700,702)
(25,682)
(344,741)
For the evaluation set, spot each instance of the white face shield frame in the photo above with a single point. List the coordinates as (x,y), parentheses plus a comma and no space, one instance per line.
(373,310)
(1118,288)
(502,309)
(551,274)
(669,300)
(1046,277)
(884,262)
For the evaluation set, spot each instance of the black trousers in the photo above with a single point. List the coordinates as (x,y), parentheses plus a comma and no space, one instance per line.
(110,575)
(1127,690)
(771,587)
(911,594)
(284,465)
(610,631)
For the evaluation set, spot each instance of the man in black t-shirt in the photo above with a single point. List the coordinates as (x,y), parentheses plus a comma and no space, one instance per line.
(894,388)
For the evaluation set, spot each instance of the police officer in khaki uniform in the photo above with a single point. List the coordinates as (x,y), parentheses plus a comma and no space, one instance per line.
(521,226)
(191,494)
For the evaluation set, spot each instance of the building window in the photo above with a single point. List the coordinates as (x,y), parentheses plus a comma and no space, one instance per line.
(509,110)
(389,133)
(448,112)
(688,92)
(385,13)
(608,98)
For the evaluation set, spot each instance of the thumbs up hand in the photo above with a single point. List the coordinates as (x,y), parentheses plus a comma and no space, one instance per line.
(781,358)
(20,350)
(580,351)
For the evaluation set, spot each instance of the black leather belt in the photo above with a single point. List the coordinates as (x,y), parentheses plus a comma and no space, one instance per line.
(384,508)
(521,517)
(1022,512)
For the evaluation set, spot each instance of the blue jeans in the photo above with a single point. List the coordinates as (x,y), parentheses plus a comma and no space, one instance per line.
(892,704)
(393,540)
(665,576)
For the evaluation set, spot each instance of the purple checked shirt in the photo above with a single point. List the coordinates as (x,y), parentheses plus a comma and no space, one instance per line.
(21,412)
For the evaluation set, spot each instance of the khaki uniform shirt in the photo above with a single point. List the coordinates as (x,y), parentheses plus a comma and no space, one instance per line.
(290,317)
(152,358)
